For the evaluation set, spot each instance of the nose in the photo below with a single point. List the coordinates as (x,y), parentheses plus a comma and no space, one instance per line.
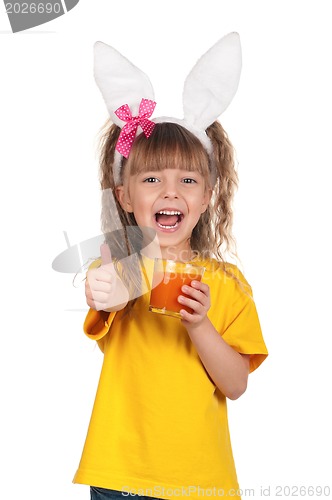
(170,190)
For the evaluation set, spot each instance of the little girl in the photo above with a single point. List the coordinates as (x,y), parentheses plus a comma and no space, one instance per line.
(159,423)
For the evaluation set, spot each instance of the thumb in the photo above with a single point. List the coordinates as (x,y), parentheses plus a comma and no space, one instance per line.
(105,252)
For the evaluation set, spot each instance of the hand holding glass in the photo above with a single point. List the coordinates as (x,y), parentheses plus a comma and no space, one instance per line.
(168,278)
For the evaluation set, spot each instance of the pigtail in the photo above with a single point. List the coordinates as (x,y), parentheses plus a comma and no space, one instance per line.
(112,215)
(120,230)
(222,203)
(226,185)
(109,135)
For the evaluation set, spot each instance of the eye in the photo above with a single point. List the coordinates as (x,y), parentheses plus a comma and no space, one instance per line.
(151,179)
(189,180)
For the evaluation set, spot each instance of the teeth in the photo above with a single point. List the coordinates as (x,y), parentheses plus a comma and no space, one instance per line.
(167,227)
(169,212)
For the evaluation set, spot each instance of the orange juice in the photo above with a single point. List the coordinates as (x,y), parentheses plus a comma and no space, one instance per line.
(168,278)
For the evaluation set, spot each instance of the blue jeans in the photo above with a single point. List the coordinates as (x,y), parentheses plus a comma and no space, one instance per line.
(104,494)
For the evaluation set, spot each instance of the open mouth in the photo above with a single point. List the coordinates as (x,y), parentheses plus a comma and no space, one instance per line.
(168,219)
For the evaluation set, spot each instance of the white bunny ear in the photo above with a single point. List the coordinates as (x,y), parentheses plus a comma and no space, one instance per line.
(119,81)
(212,83)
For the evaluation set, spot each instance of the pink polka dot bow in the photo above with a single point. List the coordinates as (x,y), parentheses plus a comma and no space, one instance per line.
(128,133)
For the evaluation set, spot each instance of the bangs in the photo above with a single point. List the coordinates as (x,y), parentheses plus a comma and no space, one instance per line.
(169,146)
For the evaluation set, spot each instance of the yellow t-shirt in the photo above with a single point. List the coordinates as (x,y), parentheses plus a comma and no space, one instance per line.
(159,424)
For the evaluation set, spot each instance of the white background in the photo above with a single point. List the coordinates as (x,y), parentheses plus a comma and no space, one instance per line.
(280,124)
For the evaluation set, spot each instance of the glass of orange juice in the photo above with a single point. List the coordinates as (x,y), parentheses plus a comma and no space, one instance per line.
(168,278)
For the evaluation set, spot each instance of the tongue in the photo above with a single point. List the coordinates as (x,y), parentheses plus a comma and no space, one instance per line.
(167,220)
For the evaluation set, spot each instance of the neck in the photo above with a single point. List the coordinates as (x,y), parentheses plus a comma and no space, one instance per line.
(182,255)
(154,250)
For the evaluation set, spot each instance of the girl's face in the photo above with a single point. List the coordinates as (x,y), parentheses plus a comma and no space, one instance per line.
(169,201)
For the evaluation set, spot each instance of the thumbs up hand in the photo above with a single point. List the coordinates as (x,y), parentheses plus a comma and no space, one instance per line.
(104,290)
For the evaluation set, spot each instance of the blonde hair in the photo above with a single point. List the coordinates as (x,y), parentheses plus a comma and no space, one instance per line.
(169,146)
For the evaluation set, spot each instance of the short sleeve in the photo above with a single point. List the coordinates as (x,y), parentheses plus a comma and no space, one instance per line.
(97,325)
(243,331)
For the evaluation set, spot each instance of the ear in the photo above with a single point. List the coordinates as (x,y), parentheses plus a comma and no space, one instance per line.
(122,195)
(206,199)
(119,81)
(212,83)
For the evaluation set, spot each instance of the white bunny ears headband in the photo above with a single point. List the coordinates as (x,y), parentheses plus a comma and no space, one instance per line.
(127,91)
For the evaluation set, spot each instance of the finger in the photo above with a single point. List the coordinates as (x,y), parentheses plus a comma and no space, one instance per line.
(196,306)
(97,287)
(186,316)
(198,285)
(102,273)
(195,294)
(96,278)
(100,297)
(102,286)
(97,306)
(105,253)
